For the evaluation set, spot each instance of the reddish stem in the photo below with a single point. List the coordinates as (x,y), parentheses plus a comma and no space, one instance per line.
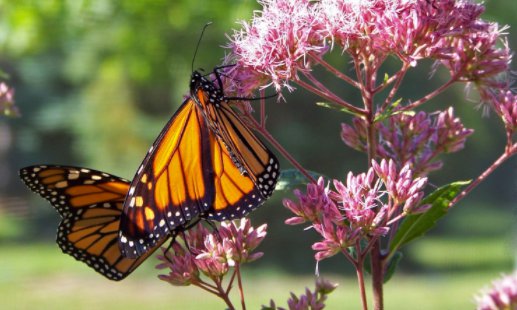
(509,152)
(230,283)
(377,275)
(369,246)
(239,281)
(375,254)
(224,295)
(400,77)
(329,97)
(217,290)
(334,71)
(390,80)
(429,96)
(360,278)
(349,257)
(322,90)
(207,287)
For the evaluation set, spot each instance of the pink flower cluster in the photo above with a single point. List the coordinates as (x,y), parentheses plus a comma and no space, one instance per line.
(416,139)
(363,208)
(501,295)
(314,300)
(505,105)
(288,36)
(211,253)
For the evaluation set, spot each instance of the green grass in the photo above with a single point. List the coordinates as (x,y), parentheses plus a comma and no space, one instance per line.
(40,276)
(463,254)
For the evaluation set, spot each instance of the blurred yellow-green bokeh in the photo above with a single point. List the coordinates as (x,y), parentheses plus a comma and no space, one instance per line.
(95,82)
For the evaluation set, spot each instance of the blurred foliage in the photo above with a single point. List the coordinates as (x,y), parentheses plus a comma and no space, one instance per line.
(109,73)
(96,80)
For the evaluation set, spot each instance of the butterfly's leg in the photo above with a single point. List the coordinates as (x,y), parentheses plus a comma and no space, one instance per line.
(187,227)
(169,247)
(214,227)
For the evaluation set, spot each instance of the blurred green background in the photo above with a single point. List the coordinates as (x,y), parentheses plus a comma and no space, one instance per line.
(96,81)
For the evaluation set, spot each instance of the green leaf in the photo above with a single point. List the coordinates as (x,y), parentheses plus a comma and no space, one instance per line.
(291,178)
(416,225)
(392,266)
(389,111)
(337,107)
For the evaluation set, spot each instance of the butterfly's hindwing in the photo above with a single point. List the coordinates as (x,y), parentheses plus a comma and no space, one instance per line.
(90,204)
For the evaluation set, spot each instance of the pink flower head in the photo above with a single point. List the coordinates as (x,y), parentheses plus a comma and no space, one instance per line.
(342,217)
(306,301)
(451,134)
(336,238)
(195,237)
(505,104)
(242,239)
(312,205)
(407,138)
(360,200)
(501,295)
(375,28)
(277,41)
(474,52)
(401,186)
(355,135)
(232,244)
(312,299)
(241,81)
(181,263)
(418,139)
(211,253)
(215,258)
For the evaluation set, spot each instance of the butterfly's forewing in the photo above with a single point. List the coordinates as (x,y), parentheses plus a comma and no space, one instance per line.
(172,186)
(249,169)
(90,203)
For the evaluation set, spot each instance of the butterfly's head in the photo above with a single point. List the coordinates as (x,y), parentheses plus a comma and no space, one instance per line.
(199,81)
(196,78)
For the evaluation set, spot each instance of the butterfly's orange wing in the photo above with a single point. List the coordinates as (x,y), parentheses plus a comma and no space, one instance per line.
(172,186)
(90,203)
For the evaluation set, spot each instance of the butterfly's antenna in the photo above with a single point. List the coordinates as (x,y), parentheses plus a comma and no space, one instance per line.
(198,43)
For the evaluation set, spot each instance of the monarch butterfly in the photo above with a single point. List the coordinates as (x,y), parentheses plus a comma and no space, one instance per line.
(90,204)
(205,163)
